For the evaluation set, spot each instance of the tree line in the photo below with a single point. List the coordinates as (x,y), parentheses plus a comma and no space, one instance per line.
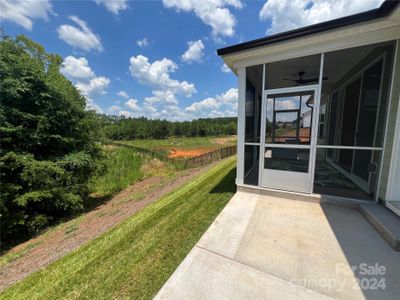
(121,128)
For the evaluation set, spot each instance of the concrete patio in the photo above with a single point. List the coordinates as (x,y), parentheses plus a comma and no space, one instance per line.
(262,247)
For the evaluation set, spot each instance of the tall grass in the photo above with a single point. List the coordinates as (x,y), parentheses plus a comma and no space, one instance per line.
(123,166)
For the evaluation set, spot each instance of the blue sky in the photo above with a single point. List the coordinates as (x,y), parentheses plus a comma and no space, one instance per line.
(158,58)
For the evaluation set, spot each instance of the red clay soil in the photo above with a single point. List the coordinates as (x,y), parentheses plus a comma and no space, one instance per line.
(304,135)
(188,152)
(224,140)
(61,240)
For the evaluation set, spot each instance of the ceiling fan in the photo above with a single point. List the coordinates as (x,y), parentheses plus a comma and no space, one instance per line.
(302,80)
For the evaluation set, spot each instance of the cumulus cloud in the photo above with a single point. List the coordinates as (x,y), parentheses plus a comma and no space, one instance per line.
(76,68)
(165,97)
(212,12)
(22,12)
(80,36)
(94,87)
(208,103)
(165,105)
(224,68)
(123,94)
(90,105)
(194,53)
(224,104)
(289,14)
(143,42)
(157,74)
(133,105)
(113,110)
(113,6)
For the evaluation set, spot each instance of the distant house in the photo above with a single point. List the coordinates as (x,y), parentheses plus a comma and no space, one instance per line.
(319,108)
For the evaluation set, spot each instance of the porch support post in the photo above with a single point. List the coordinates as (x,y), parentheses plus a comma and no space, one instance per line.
(241,121)
(393,187)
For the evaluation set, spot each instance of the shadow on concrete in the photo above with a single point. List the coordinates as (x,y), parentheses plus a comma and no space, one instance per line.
(365,250)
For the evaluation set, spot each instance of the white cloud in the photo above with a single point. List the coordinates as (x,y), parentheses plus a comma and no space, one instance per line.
(289,14)
(224,104)
(143,42)
(162,96)
(76,68)
(164,105)
(212,12)
(23,11)
(194,52)
(229,97)
(93,87)
(157,74)
(134,109)
(123,94)
(224,68)
(113,6)
(85,79)
(206,104)
(80,37)
(133,105)
(90,105)
(114,110)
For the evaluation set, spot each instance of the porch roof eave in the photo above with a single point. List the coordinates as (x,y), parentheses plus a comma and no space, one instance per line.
(378,29)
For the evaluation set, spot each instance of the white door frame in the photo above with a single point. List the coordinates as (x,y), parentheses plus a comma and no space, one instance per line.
(309,176)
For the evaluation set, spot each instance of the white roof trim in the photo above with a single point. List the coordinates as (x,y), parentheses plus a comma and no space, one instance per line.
(361,34)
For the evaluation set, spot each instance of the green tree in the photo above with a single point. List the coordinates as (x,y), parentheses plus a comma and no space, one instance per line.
(48,140)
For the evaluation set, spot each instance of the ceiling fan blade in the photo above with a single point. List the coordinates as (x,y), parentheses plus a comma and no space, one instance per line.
(309,80)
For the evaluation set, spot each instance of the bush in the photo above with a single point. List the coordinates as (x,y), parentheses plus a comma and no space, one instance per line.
(48,141)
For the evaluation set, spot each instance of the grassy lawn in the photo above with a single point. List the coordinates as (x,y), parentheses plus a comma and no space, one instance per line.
(135,259)
(125,166)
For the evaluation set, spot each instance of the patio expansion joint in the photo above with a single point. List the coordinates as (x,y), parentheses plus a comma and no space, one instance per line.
(260,271)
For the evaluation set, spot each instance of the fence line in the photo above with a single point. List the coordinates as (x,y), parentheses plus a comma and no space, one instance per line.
(185,163)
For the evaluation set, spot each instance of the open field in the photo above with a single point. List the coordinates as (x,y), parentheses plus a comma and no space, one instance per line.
(134,259)
(176,147)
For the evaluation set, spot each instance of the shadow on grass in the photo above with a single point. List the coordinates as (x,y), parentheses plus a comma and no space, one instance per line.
(95,201)
(227,184)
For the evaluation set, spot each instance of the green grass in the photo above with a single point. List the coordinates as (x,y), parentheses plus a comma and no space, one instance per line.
(135,259)
(125,166)
(179,142)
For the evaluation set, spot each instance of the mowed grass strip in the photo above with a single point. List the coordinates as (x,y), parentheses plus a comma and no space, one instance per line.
(135,259)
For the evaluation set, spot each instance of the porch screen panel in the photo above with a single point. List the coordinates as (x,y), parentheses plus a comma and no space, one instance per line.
(253,103)
(253,96)
(355,89)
